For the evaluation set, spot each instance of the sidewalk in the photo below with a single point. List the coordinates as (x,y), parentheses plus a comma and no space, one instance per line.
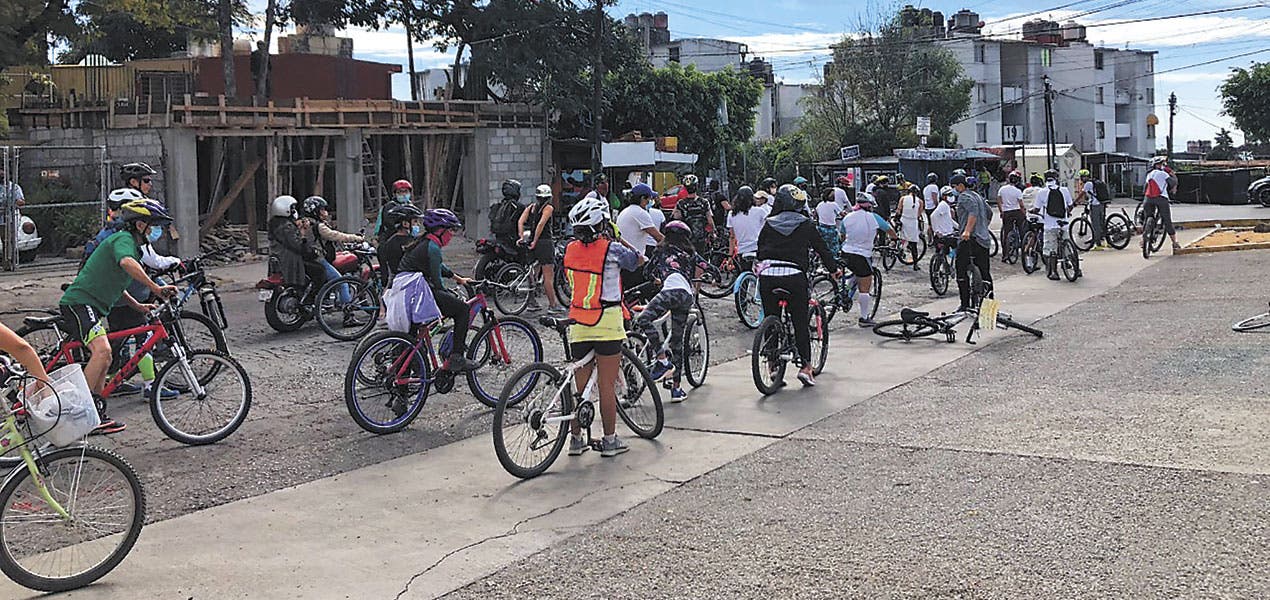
(428,524)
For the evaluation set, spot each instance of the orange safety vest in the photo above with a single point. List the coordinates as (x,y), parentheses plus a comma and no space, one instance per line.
(584,267)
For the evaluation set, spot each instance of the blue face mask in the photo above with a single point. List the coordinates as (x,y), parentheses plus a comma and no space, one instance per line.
(415,230)
(155,233)
(403,198)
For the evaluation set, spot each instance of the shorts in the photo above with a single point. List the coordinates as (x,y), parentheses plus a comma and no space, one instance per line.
(607,348)
(858,265)
(610,328)
(83,322)
(544,252)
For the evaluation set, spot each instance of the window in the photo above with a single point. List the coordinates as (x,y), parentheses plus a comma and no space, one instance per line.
(674,54)
(1151,131)
(1098,61)
(1100,130)
(1046,59)
(981,133)
(982,90)
(1150,63)
(981,52)
(1151,96)
(1101,98)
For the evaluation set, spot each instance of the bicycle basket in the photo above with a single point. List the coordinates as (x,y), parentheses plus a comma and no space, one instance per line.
(64,412)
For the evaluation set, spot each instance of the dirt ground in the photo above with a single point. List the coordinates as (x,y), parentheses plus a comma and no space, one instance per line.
(1232,237)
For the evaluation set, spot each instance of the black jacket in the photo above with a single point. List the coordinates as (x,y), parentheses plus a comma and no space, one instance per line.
(791,239)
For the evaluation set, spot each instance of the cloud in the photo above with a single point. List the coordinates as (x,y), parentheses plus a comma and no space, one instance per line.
(1190,77)
(788,44)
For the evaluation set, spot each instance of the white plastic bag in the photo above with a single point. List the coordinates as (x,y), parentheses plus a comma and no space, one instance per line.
(396,314)
(64,414)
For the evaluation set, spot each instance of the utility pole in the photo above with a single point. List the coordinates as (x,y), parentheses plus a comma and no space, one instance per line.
(1172,113)
(597,97)
(723,151)
(1050,150)
(410,56)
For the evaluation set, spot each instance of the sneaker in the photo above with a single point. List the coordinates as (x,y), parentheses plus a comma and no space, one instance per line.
(459,364)
(807,379)
(577,446)
(164,394)
(108,426)
(128,388)
(556,311)
(917,267)
(866,322)
(678,395)
(660,369)
(532,304)
(1176,246)
(1099,248)
(610,447)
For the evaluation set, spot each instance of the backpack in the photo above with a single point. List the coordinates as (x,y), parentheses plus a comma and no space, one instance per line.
(1055,205)
(504,217)
(1101,191)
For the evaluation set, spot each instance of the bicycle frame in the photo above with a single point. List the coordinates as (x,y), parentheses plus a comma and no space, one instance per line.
(157,333)
(477,305)
(11,437)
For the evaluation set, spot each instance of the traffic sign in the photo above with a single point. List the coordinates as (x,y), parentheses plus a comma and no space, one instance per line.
(923,125)
(847,153)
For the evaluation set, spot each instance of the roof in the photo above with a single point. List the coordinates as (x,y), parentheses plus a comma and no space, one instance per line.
(1114,157)
(942,154)
(860,162)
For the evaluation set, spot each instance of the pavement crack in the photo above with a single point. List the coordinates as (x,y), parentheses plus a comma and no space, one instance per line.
(675,482)
(770,436)
(515,529)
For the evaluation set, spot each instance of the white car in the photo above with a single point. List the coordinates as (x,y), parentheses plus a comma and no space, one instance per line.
(28,239)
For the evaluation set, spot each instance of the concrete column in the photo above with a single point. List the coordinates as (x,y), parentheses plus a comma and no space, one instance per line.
(477,183)
(349,205)
(181,185)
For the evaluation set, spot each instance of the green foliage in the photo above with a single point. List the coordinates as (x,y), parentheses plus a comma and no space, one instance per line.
(61,228)
(778,158)
(1224,148)
(26,24)
(1246,99)
(4,125)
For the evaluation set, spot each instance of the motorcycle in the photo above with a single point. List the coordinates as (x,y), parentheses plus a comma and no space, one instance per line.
(287,307)
(27,239)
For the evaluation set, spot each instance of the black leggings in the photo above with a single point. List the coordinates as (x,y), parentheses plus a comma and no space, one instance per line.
(1151,205)
(967,251)
(798,306)
(455,309)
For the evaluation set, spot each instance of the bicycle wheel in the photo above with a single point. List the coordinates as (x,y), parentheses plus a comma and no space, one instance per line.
(696,350)
(939,274)
(908,259)
(1070,261)
(347,321)
(876,293)
(996,244)
(824,289)
(749,308)
(719,280)
(1081,232)
(284,312)
(766,364)
(1013,244)
(1260,321)
(819,339)
(42,550)
(638,399)
(513,296)
(1006,322)
(1118,231)
(889,256)
(498,351)
(902,330)
(1160,236)
(45,340)
(1031,253)
(208,417)
(387,383)
(1148,237)
(524,441)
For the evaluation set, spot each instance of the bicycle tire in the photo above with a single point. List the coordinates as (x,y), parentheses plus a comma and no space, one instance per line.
(513,298)
(906,258)
(875,293)
(901,330)
(1030,254)
(45,340)
(996,244)
(1148,237)
(888,257)
(696,349)
(532,412)
(1160,236)
(748,306)
(1119,232)
(22,574)
(1081,232)
(819,339)
(719,282)
(363,303)
(939,275)
(630,405)
(824,289)
(163,353)
(402,400)
(484,385)
(768,343)
(161,410)
(1260,321)
(1070,261)
(1021,327)
(1013,247)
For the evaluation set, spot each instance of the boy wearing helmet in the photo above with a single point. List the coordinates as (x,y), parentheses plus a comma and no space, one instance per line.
(315,211)
(675,263)
(406,222)
(534,231)
(426,257)
(594,263)
(402,193)
(102,282)
(1159,184)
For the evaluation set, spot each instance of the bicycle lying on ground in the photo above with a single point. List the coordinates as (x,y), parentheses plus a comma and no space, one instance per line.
(915,324)
(774,345)
(540,403)
(1260,321)
(68,516)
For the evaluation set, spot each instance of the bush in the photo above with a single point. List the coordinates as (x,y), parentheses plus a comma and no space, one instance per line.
(64,227)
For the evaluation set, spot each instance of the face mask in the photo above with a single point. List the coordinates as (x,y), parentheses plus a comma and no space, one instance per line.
(414,231)
(403,198)
(155,233)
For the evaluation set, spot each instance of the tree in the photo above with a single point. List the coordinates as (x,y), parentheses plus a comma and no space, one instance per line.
(879,81)
(778,158)
(1246,99)
(124,30)
(1224,149)
(25,26)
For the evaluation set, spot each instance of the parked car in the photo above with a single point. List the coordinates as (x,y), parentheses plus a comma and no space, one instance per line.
(1259,191)
(28,239)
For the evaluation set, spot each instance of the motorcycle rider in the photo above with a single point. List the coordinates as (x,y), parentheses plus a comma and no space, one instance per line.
(297,256)
(315,210)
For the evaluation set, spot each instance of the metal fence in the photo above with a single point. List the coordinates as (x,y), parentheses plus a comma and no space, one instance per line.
(52,198)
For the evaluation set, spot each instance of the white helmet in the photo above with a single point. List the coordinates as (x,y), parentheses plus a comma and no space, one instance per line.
(282,206)
(122,196)
(543,191)
(589,212)
(947,191)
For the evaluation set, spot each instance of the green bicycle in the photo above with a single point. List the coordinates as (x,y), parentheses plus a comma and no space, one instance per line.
(68,516)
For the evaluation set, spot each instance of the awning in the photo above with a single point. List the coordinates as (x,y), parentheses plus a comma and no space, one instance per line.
(641,154)
(942,154)
(870,161)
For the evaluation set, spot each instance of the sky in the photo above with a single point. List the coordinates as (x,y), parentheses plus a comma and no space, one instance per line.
(794,35)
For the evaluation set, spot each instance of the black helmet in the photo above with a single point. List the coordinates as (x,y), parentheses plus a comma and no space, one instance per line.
(136,170)
(401,213)
(313,206)
(958,179)
(786,199)
(511,189)
(932,178)
(1051,175)
(767,184)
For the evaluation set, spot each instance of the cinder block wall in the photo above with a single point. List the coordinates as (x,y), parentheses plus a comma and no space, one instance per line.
(496,155)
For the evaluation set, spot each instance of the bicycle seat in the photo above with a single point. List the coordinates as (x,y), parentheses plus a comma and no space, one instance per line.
(1062,222)
(35,321)
(909,315)
(557,323)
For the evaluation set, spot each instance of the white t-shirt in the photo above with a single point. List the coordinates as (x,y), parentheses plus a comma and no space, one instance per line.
(910,208)
(868,189)
(659,217)
(942,220)
(1090,196)
(1011,198)
(930,194)
(860,229)
(840,198)
(746,226)
(631,223)
(1157,184)
(827,213)
(1042,199)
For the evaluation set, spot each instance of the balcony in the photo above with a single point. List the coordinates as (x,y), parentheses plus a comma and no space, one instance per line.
(1123,130)
(1124,97)
(1012,94)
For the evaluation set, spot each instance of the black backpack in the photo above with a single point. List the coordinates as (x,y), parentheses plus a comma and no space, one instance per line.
(504,217)
(1101,191)
(1055,205)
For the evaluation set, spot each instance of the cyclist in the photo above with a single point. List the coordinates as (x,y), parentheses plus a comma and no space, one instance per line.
(973,216)
(534,231)
(744,224)
(885,197)
(407,225)
(315,211)
(296,253)
(909,212)
(844,192)
(828,214)
(1087,194)
(765,194)
(504,216)
(103,281)
(860,228)
(931,193)
(425,257)
(1010,204)
(1157,198)
(1053,203)
(784,246)
(695,211)
(138,176)
(719,203)
(602,191)
(402,193)
(675,263)
(116,199)
(593,263)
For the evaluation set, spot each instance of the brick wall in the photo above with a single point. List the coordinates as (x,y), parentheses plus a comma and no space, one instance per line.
(496,155)
(122,147)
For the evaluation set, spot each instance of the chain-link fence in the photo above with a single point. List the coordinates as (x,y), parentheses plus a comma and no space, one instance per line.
(52,198)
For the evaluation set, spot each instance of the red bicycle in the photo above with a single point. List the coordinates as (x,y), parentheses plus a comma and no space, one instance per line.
(391,373)
(213,391)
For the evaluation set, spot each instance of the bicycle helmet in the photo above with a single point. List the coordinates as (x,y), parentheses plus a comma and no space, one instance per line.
(843,181)
(947,191)
(588,217)
(136,170)
(800,181)
(677,228)
(542,191)
(864,200)
(149,211)
(313,207)
(1035,179)
(1014,177)
(402,213)
(511,189)
(1085,174)
(690,183)
(282,206)
(642,190)
(1159,160)
(972,181)
(899,177)
(767,184)
(932,178)
(961,172)
(787,198)
(401,185)
(122,196)
(441,218)
(1051,175)
(958,179)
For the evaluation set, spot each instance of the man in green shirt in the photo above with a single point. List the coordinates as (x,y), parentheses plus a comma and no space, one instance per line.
(106,275)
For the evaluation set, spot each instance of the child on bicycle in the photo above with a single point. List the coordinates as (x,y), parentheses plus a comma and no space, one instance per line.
(425,257)
(674,262)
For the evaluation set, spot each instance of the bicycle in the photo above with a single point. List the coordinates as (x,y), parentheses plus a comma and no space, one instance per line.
(745,296)
(391,373)
(350,320)
(721,280)
(1033,246)
(532,422)
(1013,247)
(288,307)
(62,505)
(941,264)
(1068,255)
(1153,235)
(832,295)
(1117,230)
(194,374)
(774,345)
(1260,321)
(521,281)
(696,342)
(916,324)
